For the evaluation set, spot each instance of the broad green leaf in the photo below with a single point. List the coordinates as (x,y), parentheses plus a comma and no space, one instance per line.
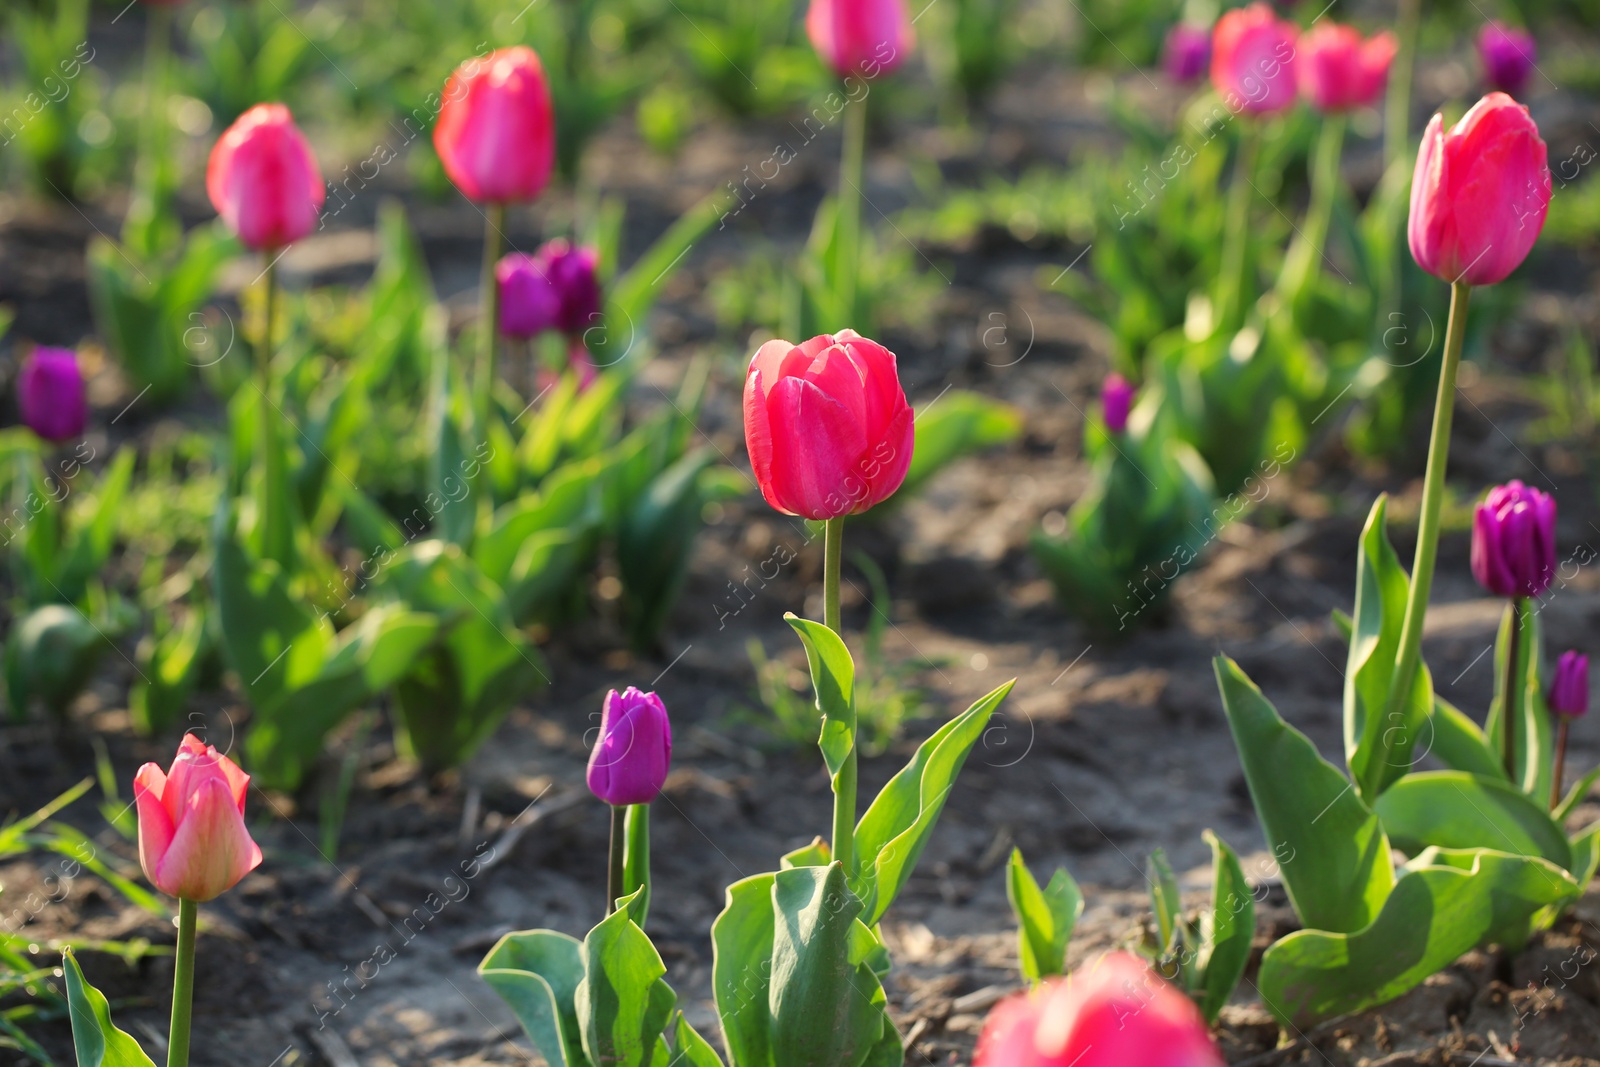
(536,972)
(1330,848)
(1459,742)
(1442,906)
(892,834)
(171,666)
(1530,718)
(1575,796)
(692,1050)
(95,1040)
(622,1004)
(833,677)
(636,290)
(50,656)
(741,970)
(1456,810)
(1226,930)
(958,423)
(816,854)
(1045,918)
(1585,855)
(259,618)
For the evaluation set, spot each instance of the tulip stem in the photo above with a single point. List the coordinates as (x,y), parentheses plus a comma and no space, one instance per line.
(1509,712)
(494,221)
(619,842)
(1236,242)
(274,535)
(182,987)
(844,783)
(852,167)
(1397,120)
(1432,500)
(1301,266)
(1561,762)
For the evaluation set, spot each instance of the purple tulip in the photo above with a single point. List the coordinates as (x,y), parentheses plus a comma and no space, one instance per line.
(1514,541)
(1116,397)
(1508,56)
(529,303)
(629,762)
(1569,693)
(574,273)
(1187,52)
(51,394)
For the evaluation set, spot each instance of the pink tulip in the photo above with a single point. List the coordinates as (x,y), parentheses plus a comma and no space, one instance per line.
(633,753)
(1253,60)
(1186,51)
(263,179)
(192,839)
(827,425)
(864,38)
(51,394)
(1508,56)
(1339,71)
(496,133)
(1479,194)
(1114,1013)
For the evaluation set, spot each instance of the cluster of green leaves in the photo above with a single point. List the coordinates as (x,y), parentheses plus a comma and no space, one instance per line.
(45,113)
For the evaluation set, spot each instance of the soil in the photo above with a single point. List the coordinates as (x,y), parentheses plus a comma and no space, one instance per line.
(1104,751)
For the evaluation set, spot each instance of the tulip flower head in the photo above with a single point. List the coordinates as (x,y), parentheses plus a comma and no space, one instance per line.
(51,394)
(860,38)
(1253,60)
(1116,1012)
(1479,194)
(1186,51)
(574,274)
(631,757)
(193,843)
(529,303)
(1569,693)
(263,179)
(496,129)
(1116,397)
(1508,56)
(827,425)
(1514,541)
(1338,71)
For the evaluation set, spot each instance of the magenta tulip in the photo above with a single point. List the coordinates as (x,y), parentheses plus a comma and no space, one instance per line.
(827,425)
(496,129)
(529,303)
(1116,1012)
(1569,693)
(1116,398)
(51,394)
(1186,51)
(574,274)
(1508,56)
(1514,541)
(193,843)
(631,757)
(1253,60)
(263,179)
(860,38)
(1338,70)
(1479,194)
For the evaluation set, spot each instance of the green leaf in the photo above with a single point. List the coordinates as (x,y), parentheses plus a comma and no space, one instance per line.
(957,424)
(1045,918)
(833,676)
(96,1041)
(1529,715)
(655,541)
(1457,810)
(1329,846)
(1585,855)
(1442,906)
(1575,796)
(49,657)
(691,1049)
(892,834)
(1166,902)
(536,972)
(636,861)
(636,290)
(1226,930)
(171,666)
(816,854)
(741,970)
(623,1006)
(1459,743)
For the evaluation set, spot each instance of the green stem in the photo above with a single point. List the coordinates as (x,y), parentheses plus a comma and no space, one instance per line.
(489,315)
(844,786)
(1432,501)
(272,524)
(1236,243)
(1510,712)
(1561,762)
(1397,116)
(619,840)
(852,169)
(636,862)
(182,987)
(1301,266)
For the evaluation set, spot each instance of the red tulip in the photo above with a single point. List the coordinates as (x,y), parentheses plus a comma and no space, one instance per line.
(1339,71)
(1253,59)
(263,179)
(1480,193)
(51,395)
(827,425)
(1114,1013)
(192,839)
(864,38)
(496,133)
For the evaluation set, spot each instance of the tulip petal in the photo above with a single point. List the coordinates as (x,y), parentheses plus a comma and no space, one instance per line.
(768,362)
(156,827)
(816,448)
(211,850)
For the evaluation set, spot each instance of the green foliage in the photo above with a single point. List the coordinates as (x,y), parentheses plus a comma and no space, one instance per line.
(957,424)
(44,113)
(252,52)
(1045,918)
(1206,958)
(95,1039)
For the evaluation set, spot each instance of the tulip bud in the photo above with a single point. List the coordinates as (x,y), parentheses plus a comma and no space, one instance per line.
(1569,693)
(51,394)
(193,843)
(496,134)
(1116,397)
(1479,194)
(1514,541)
(1184,55)
(1116,1012)
(630,759)
(529,303)
(1338,71)
(860,38)
(827,425)
(1508,56)
(1253,60)
(263,179)
(574,272)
